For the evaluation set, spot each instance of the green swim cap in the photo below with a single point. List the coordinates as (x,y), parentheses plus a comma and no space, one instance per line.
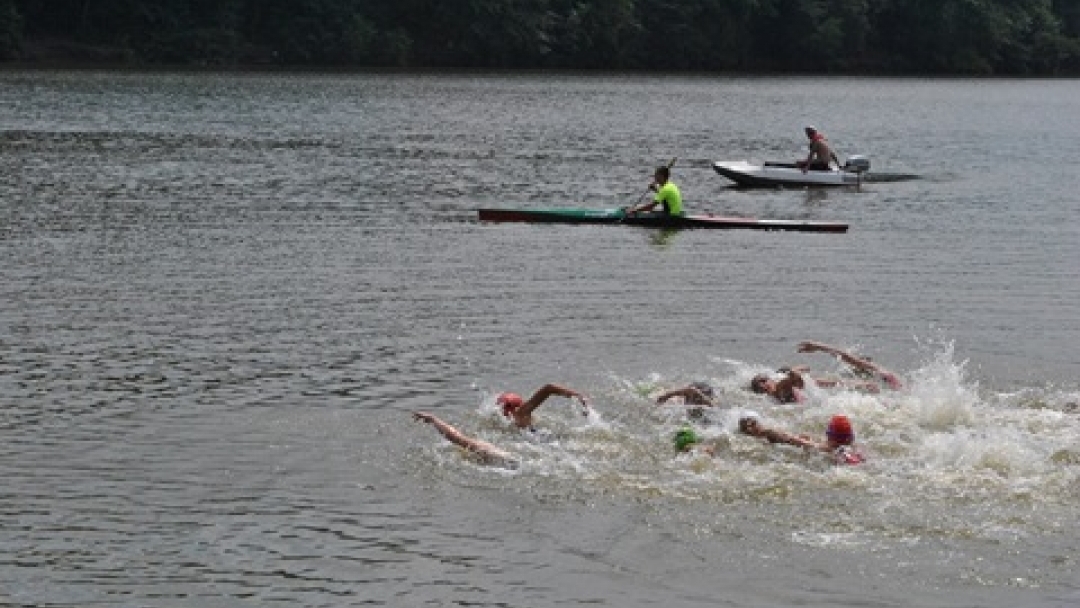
(685,438)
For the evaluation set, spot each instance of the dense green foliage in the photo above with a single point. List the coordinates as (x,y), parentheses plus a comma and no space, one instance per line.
(900,36)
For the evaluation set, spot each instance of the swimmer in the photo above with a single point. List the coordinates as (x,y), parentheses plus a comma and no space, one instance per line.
(485,452)
(751,425)
(839,437)
(786,390)
(697,393)
(687,440)
(789,388)
(519,411)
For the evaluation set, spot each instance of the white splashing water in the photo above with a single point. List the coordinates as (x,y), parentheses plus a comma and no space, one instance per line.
(937,443)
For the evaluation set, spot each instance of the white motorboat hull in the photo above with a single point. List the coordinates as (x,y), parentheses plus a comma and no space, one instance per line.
(769,175)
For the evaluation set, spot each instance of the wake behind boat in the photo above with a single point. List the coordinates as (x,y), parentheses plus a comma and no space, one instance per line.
(652,220)
(773,175)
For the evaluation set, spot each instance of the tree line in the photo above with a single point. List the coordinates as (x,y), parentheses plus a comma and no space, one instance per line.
(974,37)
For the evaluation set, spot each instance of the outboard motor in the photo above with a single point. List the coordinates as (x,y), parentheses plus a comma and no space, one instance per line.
(857,164)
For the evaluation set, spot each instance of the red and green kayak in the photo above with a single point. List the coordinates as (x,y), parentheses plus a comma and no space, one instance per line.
(648,220)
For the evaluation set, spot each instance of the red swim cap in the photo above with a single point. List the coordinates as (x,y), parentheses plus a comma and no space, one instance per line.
(509,403)
(840,430)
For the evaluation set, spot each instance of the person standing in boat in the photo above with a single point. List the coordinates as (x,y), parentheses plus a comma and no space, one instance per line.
(821,154)
(667,195)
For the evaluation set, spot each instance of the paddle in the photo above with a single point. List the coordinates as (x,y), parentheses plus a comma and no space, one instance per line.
(626,210)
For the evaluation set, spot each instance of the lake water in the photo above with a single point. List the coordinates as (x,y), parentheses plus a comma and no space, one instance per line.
(225,293)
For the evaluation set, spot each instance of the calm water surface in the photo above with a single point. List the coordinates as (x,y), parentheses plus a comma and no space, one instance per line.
(225,293)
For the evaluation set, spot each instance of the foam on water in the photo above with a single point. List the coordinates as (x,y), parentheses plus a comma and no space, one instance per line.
(936,444)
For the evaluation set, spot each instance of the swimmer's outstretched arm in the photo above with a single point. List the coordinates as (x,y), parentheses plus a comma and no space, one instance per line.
(686,392)
(802,441)
(486,451)
(446,430)
(546,391)
(846,357)
(777,436)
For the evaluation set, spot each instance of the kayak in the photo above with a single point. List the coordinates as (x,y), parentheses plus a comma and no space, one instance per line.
(773,175)
(652,220)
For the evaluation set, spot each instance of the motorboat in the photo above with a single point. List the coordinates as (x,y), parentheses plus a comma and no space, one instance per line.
(777,175)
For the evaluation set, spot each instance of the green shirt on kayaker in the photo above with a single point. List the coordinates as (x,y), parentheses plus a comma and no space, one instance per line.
(667,194)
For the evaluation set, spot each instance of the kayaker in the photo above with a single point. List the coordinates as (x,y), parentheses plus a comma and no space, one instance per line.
(821,153)
(667,195)
(485,452)
(519,410)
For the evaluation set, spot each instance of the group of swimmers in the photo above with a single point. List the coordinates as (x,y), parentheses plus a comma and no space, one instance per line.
(839,434)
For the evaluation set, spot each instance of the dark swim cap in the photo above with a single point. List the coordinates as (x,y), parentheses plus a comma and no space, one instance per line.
(703,388)
(757,383)
(746,419)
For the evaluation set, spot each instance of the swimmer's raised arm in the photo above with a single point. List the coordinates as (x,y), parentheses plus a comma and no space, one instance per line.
(811,346)
(523,415)
(691,394)
(854,361)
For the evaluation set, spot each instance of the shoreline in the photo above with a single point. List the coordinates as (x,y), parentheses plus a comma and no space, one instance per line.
(45,54)
(75,64)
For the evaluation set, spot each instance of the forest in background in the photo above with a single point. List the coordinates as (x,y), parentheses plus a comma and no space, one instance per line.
(948,37)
